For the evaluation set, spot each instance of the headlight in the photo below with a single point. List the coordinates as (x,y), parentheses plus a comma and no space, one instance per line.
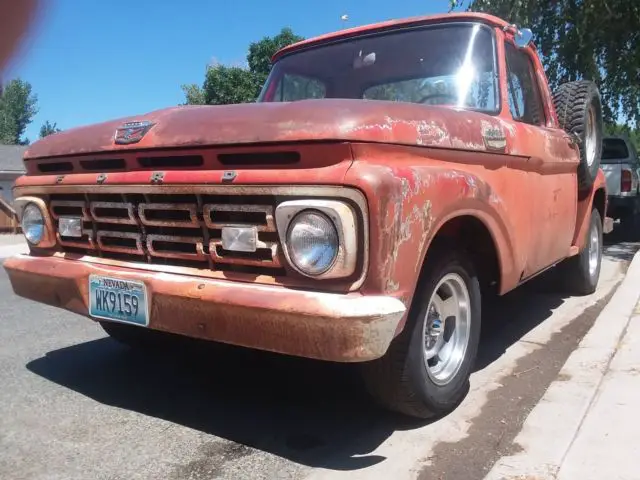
(313,242)
(32,224)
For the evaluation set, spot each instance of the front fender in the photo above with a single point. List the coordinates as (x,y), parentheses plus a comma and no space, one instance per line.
(407,207)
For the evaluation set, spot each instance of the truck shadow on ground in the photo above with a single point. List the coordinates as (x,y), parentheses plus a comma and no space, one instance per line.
(621,244)
(309,412)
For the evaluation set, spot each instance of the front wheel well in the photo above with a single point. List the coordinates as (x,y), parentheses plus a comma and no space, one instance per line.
(471,235)
(599,202)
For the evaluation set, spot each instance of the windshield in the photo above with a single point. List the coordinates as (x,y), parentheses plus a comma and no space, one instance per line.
(439,65)
(614,149)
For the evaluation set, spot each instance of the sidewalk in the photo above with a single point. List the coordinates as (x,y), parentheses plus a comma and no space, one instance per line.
(12,245)
(587,424)
(11,239)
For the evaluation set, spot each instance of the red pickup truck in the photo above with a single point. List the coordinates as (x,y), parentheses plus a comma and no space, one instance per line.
(386,179)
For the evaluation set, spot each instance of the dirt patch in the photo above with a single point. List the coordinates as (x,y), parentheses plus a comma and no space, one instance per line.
(491,434)
(211,460)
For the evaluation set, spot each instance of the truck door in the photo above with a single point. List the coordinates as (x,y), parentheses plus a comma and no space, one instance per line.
(551,162)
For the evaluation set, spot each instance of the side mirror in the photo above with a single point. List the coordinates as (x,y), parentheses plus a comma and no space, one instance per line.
(522,37)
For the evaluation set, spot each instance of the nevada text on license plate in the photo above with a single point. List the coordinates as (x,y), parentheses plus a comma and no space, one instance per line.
(116,299)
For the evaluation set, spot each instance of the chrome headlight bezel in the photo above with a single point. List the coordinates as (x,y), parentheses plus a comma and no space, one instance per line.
(48,239)
(344,220)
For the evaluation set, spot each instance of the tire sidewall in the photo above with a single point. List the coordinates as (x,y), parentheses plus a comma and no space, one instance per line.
(443,398)
(595,222)
(590,172)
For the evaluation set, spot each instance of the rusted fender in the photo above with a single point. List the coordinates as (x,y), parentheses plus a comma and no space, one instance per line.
(307,120)
(411,197)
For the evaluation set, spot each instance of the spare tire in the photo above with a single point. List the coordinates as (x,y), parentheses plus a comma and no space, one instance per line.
(579,111)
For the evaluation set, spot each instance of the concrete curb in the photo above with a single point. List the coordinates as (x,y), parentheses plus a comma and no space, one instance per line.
(552,426)
(10,250)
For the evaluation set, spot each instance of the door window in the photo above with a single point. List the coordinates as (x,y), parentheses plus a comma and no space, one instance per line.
(525,102)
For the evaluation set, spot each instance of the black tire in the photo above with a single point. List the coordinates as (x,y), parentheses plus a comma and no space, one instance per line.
(135,337)
(573,103)
(399,381)
(575,272)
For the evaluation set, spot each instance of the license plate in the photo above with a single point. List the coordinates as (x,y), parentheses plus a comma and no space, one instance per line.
(119,300)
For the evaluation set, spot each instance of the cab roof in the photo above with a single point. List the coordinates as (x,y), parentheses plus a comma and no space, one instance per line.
(490,20)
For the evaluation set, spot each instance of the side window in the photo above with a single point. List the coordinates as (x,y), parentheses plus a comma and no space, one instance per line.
(525,102)
(296,87)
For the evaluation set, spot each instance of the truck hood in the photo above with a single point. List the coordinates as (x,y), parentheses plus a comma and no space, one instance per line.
(307,120)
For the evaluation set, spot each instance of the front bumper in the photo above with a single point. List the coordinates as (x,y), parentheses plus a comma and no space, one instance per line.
(327,326)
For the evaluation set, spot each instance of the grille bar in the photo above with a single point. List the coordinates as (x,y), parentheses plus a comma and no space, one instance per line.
(271,247)
(70,207)
(87,244)
(197,243)
(160,208)
(106,242)
(109,212)
(267,225)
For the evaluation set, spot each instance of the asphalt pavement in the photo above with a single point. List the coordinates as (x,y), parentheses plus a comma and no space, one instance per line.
(77,405)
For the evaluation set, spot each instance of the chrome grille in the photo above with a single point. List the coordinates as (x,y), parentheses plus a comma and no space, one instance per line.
(170,229)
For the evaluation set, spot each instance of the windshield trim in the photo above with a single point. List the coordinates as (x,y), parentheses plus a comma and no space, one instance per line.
(498,103)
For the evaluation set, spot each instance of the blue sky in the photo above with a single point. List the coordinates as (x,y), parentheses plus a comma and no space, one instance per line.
(91,60)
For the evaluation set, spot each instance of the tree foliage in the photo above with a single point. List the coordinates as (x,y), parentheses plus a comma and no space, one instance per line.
(224,85)
(597,40)
(231,84)
(194,95)
(18,105)
(260,53)
(49,128)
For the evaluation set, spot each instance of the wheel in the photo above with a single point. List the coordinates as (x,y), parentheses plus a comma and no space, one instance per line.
(425,372)
(579,111)
(580,273)
(133,336)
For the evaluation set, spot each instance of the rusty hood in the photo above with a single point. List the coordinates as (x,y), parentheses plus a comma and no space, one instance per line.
(307,120)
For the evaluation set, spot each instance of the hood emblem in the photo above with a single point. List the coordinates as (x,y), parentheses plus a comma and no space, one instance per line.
(132,132)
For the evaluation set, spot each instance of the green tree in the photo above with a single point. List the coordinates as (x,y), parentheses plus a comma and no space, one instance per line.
(260,53)
(194,94)
(230,84)
(224,85)
(18,105)
(582,39)
(49,128)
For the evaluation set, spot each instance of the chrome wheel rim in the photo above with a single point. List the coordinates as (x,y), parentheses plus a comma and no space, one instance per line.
(590,138)
(594,250)
(446,329)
